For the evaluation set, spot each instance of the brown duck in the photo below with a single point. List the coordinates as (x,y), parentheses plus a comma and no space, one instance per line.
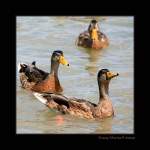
(93,37)
(37,80)
(80,107)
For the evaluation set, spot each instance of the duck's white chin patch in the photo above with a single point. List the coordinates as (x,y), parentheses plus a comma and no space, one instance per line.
(40,98)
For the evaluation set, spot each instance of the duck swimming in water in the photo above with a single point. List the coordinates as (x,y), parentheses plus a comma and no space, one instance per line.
(93,37)
(37,80)
(81,107)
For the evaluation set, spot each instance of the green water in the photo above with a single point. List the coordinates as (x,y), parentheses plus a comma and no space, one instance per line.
(37,37)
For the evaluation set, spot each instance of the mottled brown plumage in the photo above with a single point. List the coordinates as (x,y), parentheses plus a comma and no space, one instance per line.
(81,107)
(93,38)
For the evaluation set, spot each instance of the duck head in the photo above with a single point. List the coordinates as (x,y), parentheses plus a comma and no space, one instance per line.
(56,59)
(104,76)
(93,29)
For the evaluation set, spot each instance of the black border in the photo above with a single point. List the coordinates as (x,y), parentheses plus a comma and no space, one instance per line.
(12,64)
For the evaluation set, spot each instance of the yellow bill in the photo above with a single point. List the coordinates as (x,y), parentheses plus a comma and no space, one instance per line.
(111,74)
(63,61)
(94,34)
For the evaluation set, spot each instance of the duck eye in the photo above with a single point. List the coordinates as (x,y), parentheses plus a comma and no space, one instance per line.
(56,58)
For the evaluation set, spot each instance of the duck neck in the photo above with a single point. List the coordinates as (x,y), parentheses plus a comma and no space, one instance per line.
(103,90)
(54,68)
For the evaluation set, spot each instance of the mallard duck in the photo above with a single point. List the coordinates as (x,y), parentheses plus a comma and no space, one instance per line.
(81,107)
(35,79)
(93,37)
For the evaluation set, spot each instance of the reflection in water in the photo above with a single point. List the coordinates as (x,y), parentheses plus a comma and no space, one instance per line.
(94,56)
(105,126)
(59,120)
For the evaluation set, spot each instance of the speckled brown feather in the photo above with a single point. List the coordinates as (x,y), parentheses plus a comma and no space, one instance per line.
(85,40)
(25,83)
(104,109)
(80,107)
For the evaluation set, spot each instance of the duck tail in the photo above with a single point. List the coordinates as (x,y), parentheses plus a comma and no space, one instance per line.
(40,97)
(19,66)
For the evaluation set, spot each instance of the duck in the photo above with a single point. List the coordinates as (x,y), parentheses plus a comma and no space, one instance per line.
(81,107)
(93,37)
(34,79)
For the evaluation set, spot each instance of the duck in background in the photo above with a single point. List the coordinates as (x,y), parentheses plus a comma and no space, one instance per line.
(81,107)
(93,37)
(35,79)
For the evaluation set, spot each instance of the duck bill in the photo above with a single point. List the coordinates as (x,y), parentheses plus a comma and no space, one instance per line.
(63,61)
(111,75)
(94,34)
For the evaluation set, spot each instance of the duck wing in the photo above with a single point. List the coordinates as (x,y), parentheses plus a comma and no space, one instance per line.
(37,74)
(65,104)
(84,35)
(32,73)
(81,104)
(45,98)
(101,35)
(84,39)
